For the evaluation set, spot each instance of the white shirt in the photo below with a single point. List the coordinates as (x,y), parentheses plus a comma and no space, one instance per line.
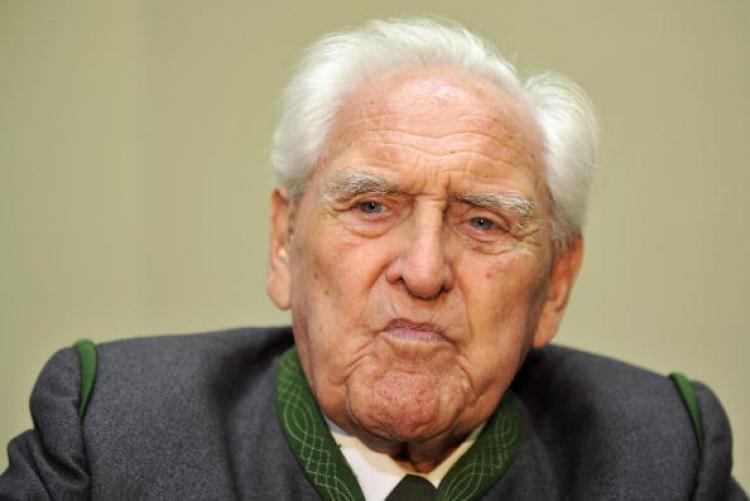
(378,474)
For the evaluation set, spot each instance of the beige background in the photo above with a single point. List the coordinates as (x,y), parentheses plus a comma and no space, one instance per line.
(134,175)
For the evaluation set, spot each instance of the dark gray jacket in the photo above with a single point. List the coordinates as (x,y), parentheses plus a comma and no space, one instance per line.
(193,417)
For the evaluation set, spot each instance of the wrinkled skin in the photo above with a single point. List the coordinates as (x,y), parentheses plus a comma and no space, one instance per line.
(414,301)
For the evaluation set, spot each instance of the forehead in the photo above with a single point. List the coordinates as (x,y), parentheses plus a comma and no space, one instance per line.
(435,119)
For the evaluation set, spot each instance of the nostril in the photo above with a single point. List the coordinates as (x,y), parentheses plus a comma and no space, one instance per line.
(422,297)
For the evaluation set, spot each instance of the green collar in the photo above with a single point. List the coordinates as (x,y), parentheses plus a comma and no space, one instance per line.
(324,465)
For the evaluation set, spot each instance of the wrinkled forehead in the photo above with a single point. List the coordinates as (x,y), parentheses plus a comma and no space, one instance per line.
(448,124)
(438,103)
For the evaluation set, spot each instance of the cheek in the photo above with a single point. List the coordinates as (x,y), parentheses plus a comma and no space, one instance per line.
(502,312)
(319,263)
(503,307)
(504,285)
(333,274)
(341,264)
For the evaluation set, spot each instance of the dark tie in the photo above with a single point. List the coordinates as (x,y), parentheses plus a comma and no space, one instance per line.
(413,488)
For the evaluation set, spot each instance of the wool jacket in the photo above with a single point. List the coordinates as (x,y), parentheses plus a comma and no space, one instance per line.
(195,417)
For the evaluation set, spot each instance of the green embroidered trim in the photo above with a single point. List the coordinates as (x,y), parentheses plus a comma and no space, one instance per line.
(308,435)
(86,351)
(488,459)
(321,460)
(687,393)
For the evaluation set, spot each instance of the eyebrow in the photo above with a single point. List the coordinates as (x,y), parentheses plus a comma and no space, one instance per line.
(355,182)
(352,183)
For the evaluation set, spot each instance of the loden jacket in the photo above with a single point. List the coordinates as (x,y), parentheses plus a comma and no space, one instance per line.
(228,415)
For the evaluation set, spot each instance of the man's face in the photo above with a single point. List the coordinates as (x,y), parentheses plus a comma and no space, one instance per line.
(417,262)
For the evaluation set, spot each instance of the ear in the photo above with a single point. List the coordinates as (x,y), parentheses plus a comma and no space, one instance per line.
(562,277)
(278,283)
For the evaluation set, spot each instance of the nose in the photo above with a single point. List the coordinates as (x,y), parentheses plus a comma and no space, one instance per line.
(422,264)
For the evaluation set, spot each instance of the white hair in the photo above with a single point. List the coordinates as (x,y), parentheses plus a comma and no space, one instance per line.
(334,67)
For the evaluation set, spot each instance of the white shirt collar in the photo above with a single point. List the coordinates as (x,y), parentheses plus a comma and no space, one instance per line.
(377,473)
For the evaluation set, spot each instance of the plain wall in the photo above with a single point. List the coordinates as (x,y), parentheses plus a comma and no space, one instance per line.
(134,175)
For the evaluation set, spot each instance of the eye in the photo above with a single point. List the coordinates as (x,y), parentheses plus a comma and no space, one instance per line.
(482,223)
(370,207)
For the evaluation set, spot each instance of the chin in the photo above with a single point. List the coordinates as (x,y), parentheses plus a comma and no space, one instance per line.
(403,407)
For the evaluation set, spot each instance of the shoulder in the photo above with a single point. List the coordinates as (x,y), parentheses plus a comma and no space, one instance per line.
(160,406)
(612,425)
(590,379)
(572,395)
(167,367)
(612,396)
(165,359)
(177,412)
(190,355)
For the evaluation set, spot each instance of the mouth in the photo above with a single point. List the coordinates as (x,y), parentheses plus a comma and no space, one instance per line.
(413,331)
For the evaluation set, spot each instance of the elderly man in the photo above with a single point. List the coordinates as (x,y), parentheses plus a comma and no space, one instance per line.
(426,234)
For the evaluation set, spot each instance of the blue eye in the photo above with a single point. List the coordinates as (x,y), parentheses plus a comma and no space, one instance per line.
(370,207)
(482,223)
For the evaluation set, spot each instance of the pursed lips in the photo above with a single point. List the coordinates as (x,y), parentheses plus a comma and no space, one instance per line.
(415,331)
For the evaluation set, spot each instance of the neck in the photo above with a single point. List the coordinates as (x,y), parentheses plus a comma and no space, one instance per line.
(421,456)
(415,461)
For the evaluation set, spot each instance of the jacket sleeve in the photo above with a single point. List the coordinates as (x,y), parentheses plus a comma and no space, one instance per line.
(49,462)
(715,473)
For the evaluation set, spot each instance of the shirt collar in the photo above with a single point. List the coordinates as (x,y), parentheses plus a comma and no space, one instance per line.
(377,473)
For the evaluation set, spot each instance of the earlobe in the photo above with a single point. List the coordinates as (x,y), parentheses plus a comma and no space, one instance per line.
(562,277)
(278,284)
